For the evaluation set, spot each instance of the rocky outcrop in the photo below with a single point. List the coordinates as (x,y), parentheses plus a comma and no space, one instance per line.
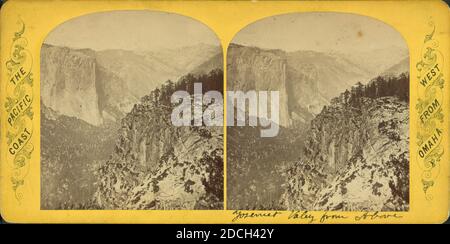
(68,83)
(306,80)
(73,83)
(102,86)
(346,146)
(114,98)
(103,149)
(356,158)
(159,166)
(251,68)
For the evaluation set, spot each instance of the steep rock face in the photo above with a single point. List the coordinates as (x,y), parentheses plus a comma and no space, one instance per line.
(306,80)
(73,83)
(102,86)
(305,98)
(159,166)
(356,158)
(69,83)
(252,68)
(114,98)
(139,162)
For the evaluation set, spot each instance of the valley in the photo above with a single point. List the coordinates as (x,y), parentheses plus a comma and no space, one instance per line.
(336,115)
(106,137)
(107,141)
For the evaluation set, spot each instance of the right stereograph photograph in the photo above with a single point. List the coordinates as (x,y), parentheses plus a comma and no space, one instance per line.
(342,136)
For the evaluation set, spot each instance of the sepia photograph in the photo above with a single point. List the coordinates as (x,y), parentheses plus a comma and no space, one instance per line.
(107,140)
(343,139)
(207,119)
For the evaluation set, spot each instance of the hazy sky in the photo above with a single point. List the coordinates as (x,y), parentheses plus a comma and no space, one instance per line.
(319,32)
(131,30)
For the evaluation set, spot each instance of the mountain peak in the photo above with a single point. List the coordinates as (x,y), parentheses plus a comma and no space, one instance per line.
(397,69)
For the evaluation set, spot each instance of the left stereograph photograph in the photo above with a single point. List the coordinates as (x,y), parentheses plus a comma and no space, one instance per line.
(107,139)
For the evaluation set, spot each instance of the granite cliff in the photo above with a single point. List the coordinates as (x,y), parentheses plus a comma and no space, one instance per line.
(156,165)
(306,80)
(356,155)
(344,135)
(102,86)
(103,148)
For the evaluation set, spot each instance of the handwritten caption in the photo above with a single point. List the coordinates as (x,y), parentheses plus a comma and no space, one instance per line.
(313,217)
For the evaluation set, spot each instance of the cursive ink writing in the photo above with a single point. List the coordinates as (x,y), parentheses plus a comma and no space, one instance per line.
(303,215)
(376,215)
(245,215)
(326,216)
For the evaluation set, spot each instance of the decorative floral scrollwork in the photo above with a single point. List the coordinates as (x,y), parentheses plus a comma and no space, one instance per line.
(430,110)
(18,106)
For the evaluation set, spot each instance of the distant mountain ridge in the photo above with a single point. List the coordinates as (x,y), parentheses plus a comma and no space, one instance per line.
(143,71)
(397,69)
(105,148)
(345,120)
(102,86)
(306,80)
(376,61)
